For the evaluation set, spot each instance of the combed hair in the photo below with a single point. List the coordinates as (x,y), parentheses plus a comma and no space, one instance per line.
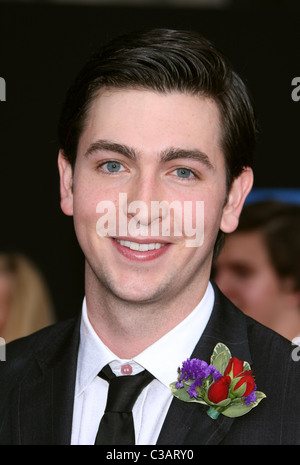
(164,61)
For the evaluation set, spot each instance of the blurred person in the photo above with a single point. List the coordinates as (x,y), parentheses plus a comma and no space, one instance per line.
(25,303)
(258,268)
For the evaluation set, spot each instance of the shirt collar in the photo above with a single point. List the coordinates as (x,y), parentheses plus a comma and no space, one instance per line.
(162,358)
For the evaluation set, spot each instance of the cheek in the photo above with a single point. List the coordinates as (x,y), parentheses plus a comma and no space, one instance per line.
(189,218)
(255,293)
(260,296)
(97,213)
(202,217)
(85,201)
(5,289)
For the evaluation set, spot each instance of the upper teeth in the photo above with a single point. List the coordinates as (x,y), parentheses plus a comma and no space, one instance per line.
(141,247)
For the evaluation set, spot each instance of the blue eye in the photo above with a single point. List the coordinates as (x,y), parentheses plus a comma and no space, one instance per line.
(184,173)
(113,166)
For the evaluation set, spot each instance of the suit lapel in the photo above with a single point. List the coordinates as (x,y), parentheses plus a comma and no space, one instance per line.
(46,395)
(44,399)
(188,423)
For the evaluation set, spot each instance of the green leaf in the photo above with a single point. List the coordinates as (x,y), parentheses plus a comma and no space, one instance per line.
(238,407)
(181,393)
(222,403)
(246,366)
(220,357)
(239,392)
(259,396)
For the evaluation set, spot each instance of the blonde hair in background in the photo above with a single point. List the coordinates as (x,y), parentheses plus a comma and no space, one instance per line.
(30,307)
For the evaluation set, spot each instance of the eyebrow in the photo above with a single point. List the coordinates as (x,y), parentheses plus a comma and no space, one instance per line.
(174,153)
(169,154)
(107,146)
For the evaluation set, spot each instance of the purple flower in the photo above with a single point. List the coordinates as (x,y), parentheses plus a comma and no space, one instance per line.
(193,369)
(179,384)
(251,397)
(197,370)
(192,389)
(215,373)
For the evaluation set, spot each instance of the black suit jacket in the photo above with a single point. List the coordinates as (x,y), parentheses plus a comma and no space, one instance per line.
(37,383)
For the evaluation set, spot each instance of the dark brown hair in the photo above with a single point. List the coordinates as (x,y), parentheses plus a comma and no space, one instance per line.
(166,60)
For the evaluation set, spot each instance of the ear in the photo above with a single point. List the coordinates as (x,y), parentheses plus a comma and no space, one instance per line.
(238,192)
(66,182)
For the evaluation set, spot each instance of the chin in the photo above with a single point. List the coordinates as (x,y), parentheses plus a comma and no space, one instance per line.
(137,297)
(136,293)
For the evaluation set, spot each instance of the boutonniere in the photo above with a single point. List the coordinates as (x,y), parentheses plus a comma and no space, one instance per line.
(226,385)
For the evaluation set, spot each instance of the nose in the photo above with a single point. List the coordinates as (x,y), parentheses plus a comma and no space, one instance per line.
(144,195)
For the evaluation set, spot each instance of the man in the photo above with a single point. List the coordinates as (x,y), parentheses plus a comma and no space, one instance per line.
(156,118)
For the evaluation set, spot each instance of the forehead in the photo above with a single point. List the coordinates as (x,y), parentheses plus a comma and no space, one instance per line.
(153,121)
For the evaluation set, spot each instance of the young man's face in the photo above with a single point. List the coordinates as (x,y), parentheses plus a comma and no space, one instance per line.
(146,147)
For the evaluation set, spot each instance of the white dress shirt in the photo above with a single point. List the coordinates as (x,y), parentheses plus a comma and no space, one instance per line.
(162,359)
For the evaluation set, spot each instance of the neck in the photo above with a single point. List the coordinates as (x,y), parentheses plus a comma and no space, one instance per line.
(128,328)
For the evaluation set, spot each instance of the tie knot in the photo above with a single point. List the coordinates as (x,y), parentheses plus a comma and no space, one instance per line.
(124,390)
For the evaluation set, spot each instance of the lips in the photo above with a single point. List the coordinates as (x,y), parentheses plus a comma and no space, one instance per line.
(141,251)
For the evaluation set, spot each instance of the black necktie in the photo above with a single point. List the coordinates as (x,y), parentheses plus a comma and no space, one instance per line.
(116,426)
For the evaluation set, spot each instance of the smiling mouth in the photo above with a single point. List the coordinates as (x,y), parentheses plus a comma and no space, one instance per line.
(141,247)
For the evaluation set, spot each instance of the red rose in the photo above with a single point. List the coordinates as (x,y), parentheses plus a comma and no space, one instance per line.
(234,367)
(247,380)
(219,389)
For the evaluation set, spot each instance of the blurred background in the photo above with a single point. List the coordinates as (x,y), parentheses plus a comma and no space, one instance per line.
(44,43)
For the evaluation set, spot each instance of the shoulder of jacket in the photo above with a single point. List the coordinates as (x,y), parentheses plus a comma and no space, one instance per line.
(19,354)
